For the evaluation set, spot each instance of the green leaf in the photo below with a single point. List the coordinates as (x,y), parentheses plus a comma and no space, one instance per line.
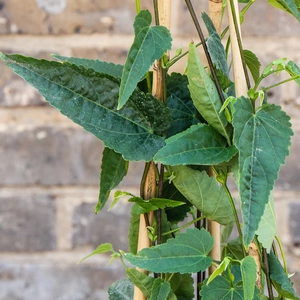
(179,213)
(179,101)
(253,64)
(99,250)
(203,192)
(215,46)
(282,283)
(234,249)
(141,280)
(183,286)
(222,288)
(143,206)
(97,65)
(133,232)
(267,227)
(219,270)
(205,95)
(160,289)
(248,270)
(113,170)
(290,6)
(293,70)
(186,253)
(90,100)
(150,43)
(263,140)
(198,145)
(121,290)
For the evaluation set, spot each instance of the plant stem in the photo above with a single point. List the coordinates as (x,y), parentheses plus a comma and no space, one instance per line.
(137,6)
(281,82)
(156,13)
(237,222)
(201,36)
(267,273)
(282,254)
(183,226)
(239,41)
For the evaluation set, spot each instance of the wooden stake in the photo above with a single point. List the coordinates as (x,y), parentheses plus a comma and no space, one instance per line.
(215,13)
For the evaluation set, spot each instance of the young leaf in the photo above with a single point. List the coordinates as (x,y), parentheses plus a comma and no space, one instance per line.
(179,101)
(99,250)
(253,64)
(248,270)
(198,145)
(219,270)
(183,286)
(143,206)
(113,170)
(203,192)
(133,232)
(205,95)
(293,70)
(186,253)
(222,288)
(141,280)
(97,65)
(289,6)
(150,43)
(282,283)
(263,140)
(121,290)
(267,227)
(90,100)
(215,46)
(160,289)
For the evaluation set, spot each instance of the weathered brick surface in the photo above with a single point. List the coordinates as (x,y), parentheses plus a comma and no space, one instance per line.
(27,223)
(57,277)
(49,167)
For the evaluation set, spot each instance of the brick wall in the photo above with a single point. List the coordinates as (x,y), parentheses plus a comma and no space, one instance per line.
(49,167)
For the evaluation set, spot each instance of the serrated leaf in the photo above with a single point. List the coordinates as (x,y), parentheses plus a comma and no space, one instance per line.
(248,270)
(204,193)
(267,227)
(289,6)
(121,290)
(183,286)
(215,46)
(282,283)
(205,95)
(90,100)
(179,101)
(160,289)
(150,43)
(293,70)
(95,64)
(186,253)
(133,232)
(141,280)
(113,170)
(263,140)
(143,206)
(99,250)
(198,145)
(222,288)
(253,64)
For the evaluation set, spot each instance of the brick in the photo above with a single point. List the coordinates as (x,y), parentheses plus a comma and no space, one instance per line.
(27,223)
(41,277)
(106,227)
(49,155)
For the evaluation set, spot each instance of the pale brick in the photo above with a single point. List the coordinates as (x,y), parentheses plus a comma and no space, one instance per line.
(27,223)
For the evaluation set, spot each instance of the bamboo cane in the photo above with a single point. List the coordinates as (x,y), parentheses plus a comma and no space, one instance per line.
(215,13)
(164,12)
